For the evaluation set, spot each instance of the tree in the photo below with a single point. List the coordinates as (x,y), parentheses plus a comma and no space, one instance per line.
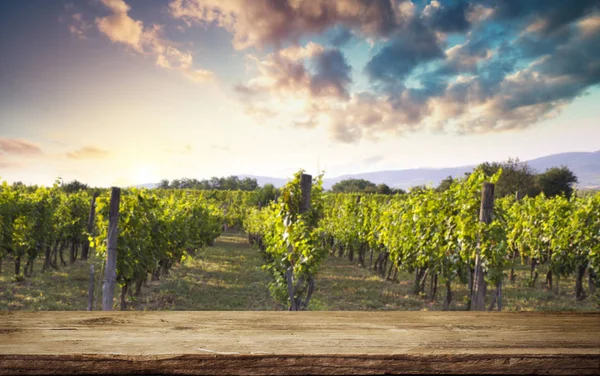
(232,183)
(557,181)
(353,185)
(419,188)
(264,195)
(248,184)
(516,176)
(384,189)
(445,184)
(74,186)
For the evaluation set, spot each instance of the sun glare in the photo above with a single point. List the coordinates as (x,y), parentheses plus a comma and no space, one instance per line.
(145,174)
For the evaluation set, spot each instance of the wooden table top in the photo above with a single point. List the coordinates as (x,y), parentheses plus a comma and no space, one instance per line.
(249,343)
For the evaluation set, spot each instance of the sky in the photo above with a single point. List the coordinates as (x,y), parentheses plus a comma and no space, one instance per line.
(123,92)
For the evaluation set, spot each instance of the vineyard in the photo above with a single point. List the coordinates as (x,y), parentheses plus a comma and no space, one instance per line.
(441,237)
(156,228)
(443,240)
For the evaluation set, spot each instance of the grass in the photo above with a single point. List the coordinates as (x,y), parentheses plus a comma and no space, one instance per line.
(225,277)
(228,276)
(342,285)
(53,290)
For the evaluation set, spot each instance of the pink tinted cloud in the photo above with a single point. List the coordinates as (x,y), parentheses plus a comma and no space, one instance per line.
(88,152)
(13,146)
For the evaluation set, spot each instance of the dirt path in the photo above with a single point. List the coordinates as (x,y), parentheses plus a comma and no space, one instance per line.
(225,277)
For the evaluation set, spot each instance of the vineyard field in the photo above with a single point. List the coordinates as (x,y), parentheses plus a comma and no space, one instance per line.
(456,249)
(228,276)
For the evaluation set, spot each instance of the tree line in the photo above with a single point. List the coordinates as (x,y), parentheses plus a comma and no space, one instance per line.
(516,177)
(230,183)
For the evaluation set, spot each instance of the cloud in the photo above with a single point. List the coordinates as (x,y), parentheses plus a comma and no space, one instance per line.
(515,64)
(261,23)
(296,52)
(79,27)
(495,81)
(298,85)
(474,88)
(447,18)
(414,46)
(470,57)
(309,70)
(341,37)
(371,116)
(550,15)
(5,164)
(119,27)
(590,25)
(478,13)
(517,100)
(332,74)
(12,146)
(88,152)
(260,112)
(373,160)
(199,75)
(171,57)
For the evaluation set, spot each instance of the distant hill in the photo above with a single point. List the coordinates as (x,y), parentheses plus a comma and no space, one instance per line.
(403,178)
(262,180)
(147,185)
(585,165)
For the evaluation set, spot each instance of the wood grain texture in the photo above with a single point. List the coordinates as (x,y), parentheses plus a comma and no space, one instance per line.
(250,343)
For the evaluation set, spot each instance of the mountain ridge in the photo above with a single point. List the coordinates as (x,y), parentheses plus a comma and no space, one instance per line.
(585,165)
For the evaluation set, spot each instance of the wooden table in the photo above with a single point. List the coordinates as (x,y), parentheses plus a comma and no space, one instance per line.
(277,343)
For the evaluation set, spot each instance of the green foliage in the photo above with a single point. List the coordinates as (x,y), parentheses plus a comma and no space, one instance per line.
(155,227)
(263,196)
(557,181)
(229,277)
(445,184)
(290,241)
(363,186)
(440,231)
(437,230)
(34,219)
(74,186)
(232,206)
(516,177)
(352,185)
(231,183)
(560,233)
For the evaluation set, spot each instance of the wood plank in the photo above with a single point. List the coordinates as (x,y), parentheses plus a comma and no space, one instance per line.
(249,343)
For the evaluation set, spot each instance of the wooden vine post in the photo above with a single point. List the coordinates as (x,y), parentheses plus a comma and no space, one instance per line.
(485,216)
(110,272)
(90,306)
(296,303)
(90,227)
(518,197)
(305,187)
